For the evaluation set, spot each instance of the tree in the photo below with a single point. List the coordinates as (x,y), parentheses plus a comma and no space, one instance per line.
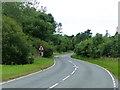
(99,46)
(82,36)
(41,26)
(84,48)
(110,47)
(59,27)
(34,23)
(62,43)
(15,48)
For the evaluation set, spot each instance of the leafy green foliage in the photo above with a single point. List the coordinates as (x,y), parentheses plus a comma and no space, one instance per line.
(62,43)
(34,23)
(111,48)
(84,48)
(99,46)
(12,10)
(82,36)
(24,29)
(15,49)
(48,49)
(38,27)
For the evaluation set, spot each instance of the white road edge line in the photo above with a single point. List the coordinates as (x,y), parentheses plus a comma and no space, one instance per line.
(53,85)
(114,82)
(66,77)
(28,74)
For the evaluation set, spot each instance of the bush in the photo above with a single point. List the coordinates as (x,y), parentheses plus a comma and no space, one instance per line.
(99,46)
(111,48)
(15,49)
(84,48)
(48,51)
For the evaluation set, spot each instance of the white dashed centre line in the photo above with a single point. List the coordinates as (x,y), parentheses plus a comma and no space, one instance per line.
(73,72)
(75,68)
(53,85)
(66,77)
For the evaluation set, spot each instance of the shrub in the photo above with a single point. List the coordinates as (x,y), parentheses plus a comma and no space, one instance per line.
(48,48)
(99,46)
(111,48)
(48,51)
(84,48)
(15,49)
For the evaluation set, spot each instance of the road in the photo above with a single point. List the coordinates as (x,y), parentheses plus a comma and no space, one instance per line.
(66,73)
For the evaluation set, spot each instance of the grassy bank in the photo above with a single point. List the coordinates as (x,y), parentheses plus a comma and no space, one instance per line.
(109,63)
(10,72)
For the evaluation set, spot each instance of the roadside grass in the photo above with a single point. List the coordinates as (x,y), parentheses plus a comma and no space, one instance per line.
(10,72)
(110,64)
(0,73)
(13,71)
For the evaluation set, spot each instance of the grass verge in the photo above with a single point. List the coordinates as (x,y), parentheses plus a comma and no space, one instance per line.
(10,72)
(110,64)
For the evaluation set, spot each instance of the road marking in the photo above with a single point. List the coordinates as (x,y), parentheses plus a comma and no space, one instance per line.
(75,66)
(73,72)
(50,67)
(66,77)
(54,85)
(114,82)
(75,69)
(70,61)
(28,74)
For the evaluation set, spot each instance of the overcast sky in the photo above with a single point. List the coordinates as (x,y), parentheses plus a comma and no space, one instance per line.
(79,15)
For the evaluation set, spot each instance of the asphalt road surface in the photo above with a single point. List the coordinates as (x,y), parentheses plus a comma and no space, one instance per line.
(66,73)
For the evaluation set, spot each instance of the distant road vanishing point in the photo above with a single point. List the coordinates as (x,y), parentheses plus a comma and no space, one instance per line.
(66,73)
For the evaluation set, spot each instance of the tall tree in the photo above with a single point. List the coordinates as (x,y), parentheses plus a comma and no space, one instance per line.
(82,36)
(15,48)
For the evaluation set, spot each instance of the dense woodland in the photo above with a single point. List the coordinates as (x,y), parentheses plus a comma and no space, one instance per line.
(24,29)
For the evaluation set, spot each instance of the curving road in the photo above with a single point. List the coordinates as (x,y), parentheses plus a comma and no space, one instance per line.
(66,73)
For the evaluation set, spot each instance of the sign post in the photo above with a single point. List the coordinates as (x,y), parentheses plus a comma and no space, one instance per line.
(41,49)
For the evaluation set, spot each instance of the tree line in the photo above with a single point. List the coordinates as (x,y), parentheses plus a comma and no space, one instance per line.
(24,29)
(98,46)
